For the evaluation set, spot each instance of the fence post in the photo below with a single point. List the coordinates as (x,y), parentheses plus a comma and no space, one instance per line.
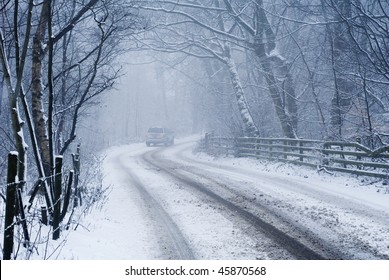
(271,148)
(285,149)
(76,167)
(67,195)
(301,150)
(206,142)
(44,218)
(57,197)
(342,155)
(325,160)
(236,147)
(359,141)
(257,147)
(10,205)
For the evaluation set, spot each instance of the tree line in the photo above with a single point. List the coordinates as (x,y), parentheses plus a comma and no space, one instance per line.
(57,58)
(316,69)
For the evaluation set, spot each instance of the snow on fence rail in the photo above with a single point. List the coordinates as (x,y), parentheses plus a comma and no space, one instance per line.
(349,157)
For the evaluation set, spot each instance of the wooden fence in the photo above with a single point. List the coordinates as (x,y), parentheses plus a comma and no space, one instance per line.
(349,157)
(52,214)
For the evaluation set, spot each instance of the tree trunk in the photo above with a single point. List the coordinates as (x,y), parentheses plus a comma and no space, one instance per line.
(250,127)
(1,92)
(271,61)
(285,120)
(36,88)
(17,123)
(340,50)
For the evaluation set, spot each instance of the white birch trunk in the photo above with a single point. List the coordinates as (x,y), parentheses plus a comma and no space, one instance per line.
(250,127)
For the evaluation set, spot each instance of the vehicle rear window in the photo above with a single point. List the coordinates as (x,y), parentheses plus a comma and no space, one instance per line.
(155,130)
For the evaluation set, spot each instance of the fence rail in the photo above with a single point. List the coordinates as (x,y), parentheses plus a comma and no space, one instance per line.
(349,157)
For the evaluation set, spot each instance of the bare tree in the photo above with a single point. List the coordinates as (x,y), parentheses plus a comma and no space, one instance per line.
(263,42)
(366,28)
(43,135)
(62,86)
(206,44)
(14,92)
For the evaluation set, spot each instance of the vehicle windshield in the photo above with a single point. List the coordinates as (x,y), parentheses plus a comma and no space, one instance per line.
(155,130)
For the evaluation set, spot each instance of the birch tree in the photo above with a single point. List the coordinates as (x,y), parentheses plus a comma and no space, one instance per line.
(248,28)
(44,137)
(86,70)
(264,45)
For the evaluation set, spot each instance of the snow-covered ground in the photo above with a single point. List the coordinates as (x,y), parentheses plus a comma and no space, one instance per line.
(165,204)
(337,208)
(169,203)
(124,229)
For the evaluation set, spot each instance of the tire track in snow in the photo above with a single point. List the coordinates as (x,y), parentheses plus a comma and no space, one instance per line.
(174,240)
(293,246)
(347,239)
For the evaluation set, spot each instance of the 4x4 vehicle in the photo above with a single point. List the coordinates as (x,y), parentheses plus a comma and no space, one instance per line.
(159,135)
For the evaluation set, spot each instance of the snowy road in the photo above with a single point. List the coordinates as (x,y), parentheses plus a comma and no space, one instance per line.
(167,203)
